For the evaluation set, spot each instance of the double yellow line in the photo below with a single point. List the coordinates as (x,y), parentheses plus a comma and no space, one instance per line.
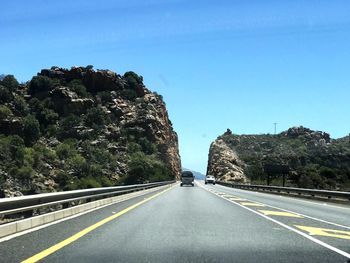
(87,230)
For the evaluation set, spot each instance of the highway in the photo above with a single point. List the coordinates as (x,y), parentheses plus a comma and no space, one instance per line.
(204,223)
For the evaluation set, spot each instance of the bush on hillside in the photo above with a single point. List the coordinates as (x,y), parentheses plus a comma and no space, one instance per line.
(31,130)
(77,86)
(40,84)
(10,82)
(5,95)
(5,112)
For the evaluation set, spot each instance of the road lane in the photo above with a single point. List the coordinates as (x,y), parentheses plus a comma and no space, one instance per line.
(185,224)
(331,235)
(26,245)
(336,213)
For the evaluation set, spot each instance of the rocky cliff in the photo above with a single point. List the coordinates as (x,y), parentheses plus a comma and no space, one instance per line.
(79,127)
(315,159)
(224,163)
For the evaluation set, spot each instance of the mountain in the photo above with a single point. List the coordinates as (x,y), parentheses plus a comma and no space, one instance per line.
(2,76)
(315,159)
(197,175)
(77,128)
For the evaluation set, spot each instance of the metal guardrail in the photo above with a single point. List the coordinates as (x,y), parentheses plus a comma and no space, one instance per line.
(29,203)
(291,190)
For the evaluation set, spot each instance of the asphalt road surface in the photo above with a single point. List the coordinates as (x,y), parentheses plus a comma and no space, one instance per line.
(204,223)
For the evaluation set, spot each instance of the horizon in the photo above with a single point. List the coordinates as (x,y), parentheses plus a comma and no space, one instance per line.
(237,65)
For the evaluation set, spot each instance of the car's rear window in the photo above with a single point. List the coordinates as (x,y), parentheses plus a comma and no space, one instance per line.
(187,174)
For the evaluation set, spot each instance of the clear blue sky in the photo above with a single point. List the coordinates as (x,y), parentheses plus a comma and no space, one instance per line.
(241,65)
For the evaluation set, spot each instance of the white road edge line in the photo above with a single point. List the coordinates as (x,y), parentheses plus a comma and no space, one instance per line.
(289,211)
(6,238)
(337,250)
(322,203)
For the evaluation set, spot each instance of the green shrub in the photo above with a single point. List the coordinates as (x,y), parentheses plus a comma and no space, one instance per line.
(327,173)
(65,151)
(105,182)
(63,179)
(41,84)
(10,82)
(17,150)
(94,170)
(22,173)
(5,95)
(31,130)
(139,169)
(99,155)
(95,117)
(89,182)
(129,94)
(20,105)
(146,168)
(78,164)
(132,79)
(51,130)
(66,126)
(133,147)
(72,185)
(28,157)
(78,87)
(147,146)
(35,105)
(48,116)
(44,112)
(160,172)
(5,112)
(105,96)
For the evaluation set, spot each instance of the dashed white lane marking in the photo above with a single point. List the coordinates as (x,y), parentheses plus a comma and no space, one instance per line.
(337,250)
(249,203)
(294,199)
(303,215)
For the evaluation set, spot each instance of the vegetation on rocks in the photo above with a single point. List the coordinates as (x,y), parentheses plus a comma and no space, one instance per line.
(315,160)
(77,128)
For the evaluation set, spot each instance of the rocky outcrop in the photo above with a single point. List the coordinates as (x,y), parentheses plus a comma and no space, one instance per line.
(308,134)
(94,80)
(73,104)
(224,163)
(93,125)
(315,160)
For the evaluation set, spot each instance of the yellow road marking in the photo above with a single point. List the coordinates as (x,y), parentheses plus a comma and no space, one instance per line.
(279,213)
(251,204)
(325,232)
(87,230)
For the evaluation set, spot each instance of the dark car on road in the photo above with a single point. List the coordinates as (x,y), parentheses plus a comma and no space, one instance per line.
(187,177)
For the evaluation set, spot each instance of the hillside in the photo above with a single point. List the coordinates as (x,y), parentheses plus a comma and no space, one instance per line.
(315,160)
(78,128)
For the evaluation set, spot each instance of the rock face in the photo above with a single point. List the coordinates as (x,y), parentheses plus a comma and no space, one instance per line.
(315,160)
(308,134)
(224,163)
(95,128)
